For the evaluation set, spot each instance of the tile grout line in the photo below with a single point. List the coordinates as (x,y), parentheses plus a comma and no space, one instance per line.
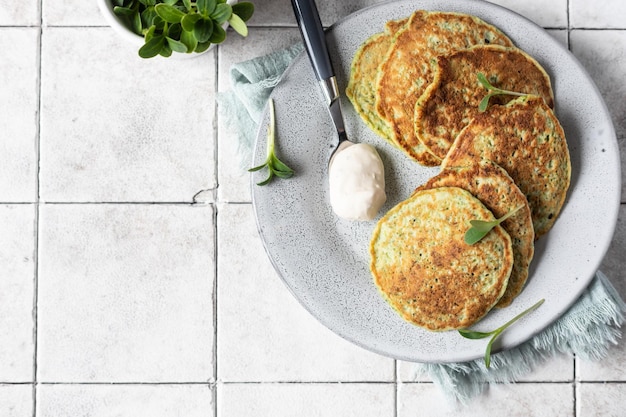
(215,226)
(569,48)
(37,214)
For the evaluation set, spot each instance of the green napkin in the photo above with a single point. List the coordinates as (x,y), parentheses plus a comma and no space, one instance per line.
(586,330)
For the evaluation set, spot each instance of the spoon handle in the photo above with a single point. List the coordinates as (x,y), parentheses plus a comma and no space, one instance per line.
(312,32)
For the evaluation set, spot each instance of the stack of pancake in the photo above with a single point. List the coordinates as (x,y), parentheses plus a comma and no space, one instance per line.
(416,85)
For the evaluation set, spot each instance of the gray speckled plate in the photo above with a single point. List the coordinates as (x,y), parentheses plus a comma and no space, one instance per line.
(324,260)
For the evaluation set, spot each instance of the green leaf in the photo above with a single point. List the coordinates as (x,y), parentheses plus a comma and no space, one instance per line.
(238,25)
(202,47)
(187,4)
(136,24)
(222,13)
(150,33)
(176,46)
(148,16)
(244,10)
(118,3)
(189,21)
(153,47)
(203,29)
(219,34)
(493,91)
(274,165)
(206,7)
(170,2)
(189,40)
(166,51)
(169,13)
(480,228)
(123,11)
(174,31)
(484,103)
(259,167)
(469,334)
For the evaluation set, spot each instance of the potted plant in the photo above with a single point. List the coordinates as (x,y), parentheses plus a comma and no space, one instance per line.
(162,27)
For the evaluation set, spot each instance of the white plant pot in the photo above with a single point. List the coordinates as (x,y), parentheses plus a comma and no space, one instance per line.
(118,25)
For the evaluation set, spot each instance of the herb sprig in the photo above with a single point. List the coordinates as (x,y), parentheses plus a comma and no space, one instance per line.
(493,91)
(470,334)
(182,25)
(480,228)
(275,166)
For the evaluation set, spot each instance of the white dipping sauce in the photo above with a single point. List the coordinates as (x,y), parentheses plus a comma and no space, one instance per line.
(357,181)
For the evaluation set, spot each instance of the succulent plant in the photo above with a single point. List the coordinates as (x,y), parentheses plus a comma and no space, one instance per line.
(183,26)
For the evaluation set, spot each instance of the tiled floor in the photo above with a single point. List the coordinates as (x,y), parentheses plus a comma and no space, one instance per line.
(132,279)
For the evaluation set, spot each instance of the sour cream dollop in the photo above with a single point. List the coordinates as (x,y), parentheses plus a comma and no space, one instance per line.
(357,181)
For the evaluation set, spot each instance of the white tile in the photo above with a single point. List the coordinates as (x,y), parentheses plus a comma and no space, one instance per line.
(17,271)
(16,400)
(19,13)
(606,400)
(264,334)
(305,400)
(613,263)
(611,368)
(233,177)
(71,13)
(551,14)
(512,400)
(124,401)
(603,54)
(18,114)
(115,127)
(125,293)
(556,369)
(599,14)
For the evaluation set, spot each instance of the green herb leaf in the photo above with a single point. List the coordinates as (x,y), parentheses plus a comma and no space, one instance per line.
(202,47)
(480,228)
(135,23)
(218,35)
(123,11)
(244,10)
(274,165)
(222,13)
(176,46)
(206,7)
(153,47)
(238,25)
(493,91)
(203,29)
(169,13)
(165,51)
(189,40)
(469,334)
(189,20)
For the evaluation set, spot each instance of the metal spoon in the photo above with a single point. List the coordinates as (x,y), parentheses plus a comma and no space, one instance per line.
(312,32)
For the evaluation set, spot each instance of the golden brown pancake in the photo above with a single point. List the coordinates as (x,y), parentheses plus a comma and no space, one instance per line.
(498,192)
(452,99)
(525,138)
(426,271)
(364,71)
(409,68)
